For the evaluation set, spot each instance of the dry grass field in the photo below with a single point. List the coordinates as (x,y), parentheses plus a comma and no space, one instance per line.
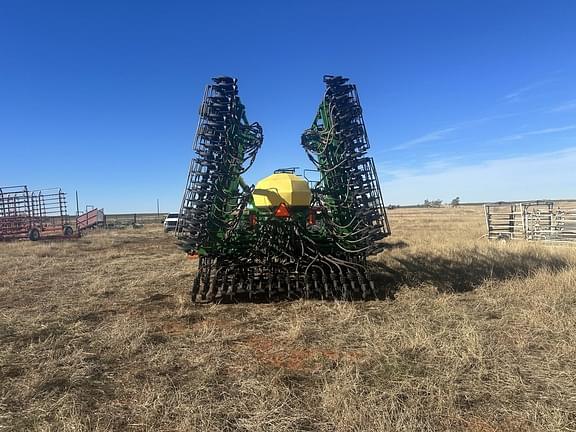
(99,334)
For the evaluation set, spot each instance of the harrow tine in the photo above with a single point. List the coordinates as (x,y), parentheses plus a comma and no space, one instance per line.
(196,285)
(327,288)
(289,286)
(372,289)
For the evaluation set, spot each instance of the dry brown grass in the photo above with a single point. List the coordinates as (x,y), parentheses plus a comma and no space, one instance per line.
(99,335)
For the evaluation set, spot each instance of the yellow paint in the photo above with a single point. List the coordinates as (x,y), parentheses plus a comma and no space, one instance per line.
(282,187)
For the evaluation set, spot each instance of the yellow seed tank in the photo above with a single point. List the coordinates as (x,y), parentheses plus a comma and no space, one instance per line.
(280,188)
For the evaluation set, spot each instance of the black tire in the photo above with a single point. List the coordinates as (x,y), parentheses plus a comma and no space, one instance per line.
(68,231)
(34,234)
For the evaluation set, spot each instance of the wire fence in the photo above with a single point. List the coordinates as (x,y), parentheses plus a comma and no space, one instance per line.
(134,219)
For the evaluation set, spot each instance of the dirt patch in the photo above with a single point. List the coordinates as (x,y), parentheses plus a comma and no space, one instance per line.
(274,353)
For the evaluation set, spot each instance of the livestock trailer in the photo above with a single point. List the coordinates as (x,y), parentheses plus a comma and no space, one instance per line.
(33,214)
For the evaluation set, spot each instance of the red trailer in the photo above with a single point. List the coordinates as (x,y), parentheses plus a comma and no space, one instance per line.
(91,219)
(33,214)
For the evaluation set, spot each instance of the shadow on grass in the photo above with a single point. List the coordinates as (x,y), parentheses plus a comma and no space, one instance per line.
(394,245)
(464,272)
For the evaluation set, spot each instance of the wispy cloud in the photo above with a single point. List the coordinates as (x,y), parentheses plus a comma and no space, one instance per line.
(546,131)
(443,134)
(413,167)
(518,94)
(436,135)
(509,178)
(566,106)
(480,120)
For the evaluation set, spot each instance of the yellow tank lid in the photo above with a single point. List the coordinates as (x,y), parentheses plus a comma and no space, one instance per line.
(282,187)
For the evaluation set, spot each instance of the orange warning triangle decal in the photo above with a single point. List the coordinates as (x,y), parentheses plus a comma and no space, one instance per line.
(282,211)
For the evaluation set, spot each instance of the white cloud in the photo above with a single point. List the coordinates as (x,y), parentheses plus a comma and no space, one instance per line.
(538,132)
(566,106)
(442,134)
(523,91)
(481,120)
(538,176)
(429,137)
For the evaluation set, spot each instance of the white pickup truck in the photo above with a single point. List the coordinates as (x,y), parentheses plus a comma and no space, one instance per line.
(171,221)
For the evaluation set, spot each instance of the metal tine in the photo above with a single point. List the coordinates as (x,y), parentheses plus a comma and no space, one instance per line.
(336,290)
(196,286)
(361,284)
(372,289)
(327,289)
(206,279)
(218,289)
(230,291)
(353,285)
(289,285)
(346,291)
(241,286)
(316,289)
(250,288)
(269,292)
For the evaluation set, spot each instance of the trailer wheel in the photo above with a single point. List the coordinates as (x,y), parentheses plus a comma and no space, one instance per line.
(34,234)
(68,231)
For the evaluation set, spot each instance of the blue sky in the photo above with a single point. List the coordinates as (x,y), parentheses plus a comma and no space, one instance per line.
(468,98)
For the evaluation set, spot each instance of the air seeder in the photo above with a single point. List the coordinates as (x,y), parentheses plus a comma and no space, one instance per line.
(285,237)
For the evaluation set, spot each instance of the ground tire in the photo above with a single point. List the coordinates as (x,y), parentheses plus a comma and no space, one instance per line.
(34,234)
(68,231)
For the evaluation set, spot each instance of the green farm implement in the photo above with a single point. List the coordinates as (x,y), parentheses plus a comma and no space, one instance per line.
(285,237)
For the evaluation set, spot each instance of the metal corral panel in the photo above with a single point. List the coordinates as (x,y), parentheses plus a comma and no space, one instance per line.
(536,220)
